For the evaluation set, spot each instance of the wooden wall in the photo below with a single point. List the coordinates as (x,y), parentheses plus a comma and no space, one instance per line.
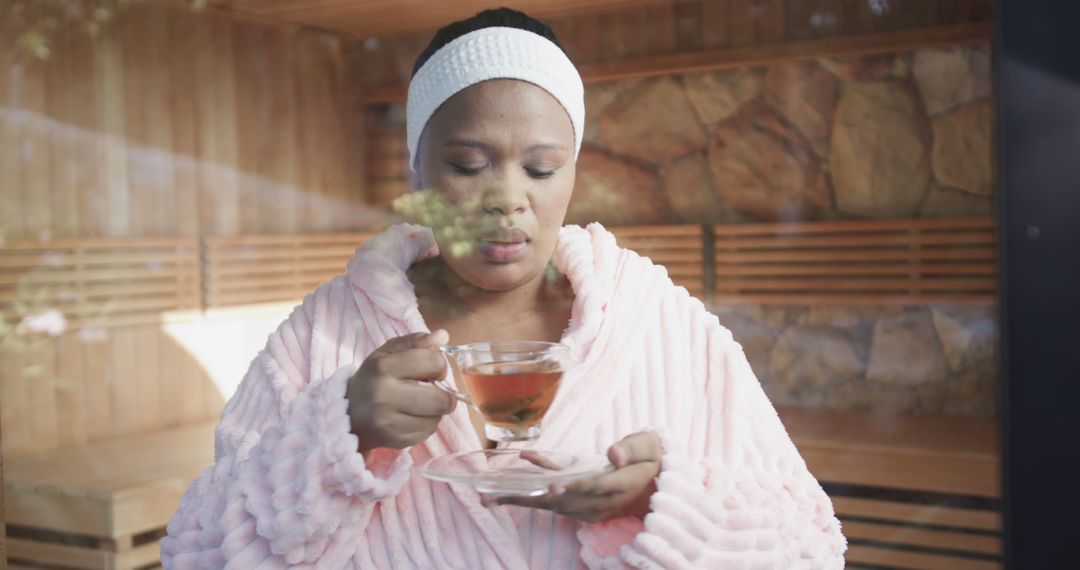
(687,26)
(170,122)
(173,122)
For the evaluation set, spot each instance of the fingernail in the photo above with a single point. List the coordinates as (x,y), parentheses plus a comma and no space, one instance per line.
(618,456)
(557,489)
(440,336)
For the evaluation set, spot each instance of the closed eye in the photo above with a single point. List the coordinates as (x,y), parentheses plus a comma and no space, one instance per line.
(539,174)
(465,170)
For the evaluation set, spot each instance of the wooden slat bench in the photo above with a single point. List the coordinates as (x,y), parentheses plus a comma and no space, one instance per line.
(102,505)
(911,492)
(100,281)
(857,262)
(681,249)
(247,269)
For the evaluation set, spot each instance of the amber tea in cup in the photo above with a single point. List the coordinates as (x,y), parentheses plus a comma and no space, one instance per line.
(511,383)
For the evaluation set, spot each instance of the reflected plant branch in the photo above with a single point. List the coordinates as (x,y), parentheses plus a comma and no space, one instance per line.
(32,24)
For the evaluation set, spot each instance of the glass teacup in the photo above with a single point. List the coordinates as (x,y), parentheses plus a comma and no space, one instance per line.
(511,383)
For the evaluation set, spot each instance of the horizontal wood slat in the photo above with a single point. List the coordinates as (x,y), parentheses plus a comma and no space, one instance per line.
(893,558)
(853,262)
(680,249)
(106,281)
(239,270)
(937,515)
(888,476)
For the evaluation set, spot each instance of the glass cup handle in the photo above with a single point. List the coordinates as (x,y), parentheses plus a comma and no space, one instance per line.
(447,352)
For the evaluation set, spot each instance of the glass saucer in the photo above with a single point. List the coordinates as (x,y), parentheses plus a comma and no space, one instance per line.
(513,472)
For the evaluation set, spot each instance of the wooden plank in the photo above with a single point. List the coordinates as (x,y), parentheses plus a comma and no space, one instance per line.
(280,151)
(97,276)
(138,73)
(182,62)
(98,399)
(716,24)
(657,231)
(35,154)
(249,68)
(233,271)
(287,282)
(342,252)
(60,258)
(140,556)
(15,410)
(965,255)
(10,165)
(817,269)
(159,120)
(58,554)
(854,241)
(917,514)
(70,395)
(853,226)
(40,372)
(925,538)
(786,284)
(113,182)
(122,465)
(688,26)
(888,557)
(56,294)
(62,138)
(849,299)
(911,469)
(56,511)
(216,242)
(215,104)
(251,297)
(809,19)
(102,243)
(752,55)
(144,359)
(122,378)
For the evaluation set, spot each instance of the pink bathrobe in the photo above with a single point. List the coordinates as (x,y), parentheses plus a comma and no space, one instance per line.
(289,489)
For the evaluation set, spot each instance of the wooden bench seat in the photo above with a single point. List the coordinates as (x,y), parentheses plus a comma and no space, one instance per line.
(915,492)
(102,505)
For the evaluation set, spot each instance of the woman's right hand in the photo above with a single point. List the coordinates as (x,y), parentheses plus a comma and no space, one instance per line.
(389,405)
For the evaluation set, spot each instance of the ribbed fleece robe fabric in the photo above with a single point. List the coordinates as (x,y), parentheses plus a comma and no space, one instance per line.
(289,490)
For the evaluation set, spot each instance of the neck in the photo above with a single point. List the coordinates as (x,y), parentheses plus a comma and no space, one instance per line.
(458,297)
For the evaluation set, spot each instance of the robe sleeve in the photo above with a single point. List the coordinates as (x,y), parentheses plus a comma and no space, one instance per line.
(743,499)
(287,477)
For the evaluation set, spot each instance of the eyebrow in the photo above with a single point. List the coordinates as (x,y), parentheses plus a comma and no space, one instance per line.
(486,147)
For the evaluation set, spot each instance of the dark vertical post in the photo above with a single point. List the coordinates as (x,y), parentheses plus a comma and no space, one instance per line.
(1037,48)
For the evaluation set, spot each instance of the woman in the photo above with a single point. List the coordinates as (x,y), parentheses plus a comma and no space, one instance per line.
(315,450)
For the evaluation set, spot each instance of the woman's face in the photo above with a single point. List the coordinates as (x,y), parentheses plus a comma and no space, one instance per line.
(499,156)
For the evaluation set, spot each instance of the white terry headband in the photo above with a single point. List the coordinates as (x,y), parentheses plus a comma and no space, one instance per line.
(493,53)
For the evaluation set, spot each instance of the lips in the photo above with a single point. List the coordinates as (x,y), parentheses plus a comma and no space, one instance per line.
(504,246)
(506,237)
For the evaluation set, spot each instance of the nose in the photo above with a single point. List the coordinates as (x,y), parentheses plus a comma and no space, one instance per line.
(505,199)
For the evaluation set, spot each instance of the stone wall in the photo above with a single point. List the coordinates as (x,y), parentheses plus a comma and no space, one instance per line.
(890,136)
(937,359)
(885,136)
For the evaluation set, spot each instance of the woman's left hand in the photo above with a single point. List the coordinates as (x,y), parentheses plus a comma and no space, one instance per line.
(623,492)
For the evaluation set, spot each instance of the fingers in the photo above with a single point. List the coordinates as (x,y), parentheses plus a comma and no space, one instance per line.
(414,340)
(635,448)
(414,364)
(422,401)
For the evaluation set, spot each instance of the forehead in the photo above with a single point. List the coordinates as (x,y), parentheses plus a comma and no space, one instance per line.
(502,104)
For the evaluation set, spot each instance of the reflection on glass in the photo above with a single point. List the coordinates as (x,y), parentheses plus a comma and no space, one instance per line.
(177,176)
